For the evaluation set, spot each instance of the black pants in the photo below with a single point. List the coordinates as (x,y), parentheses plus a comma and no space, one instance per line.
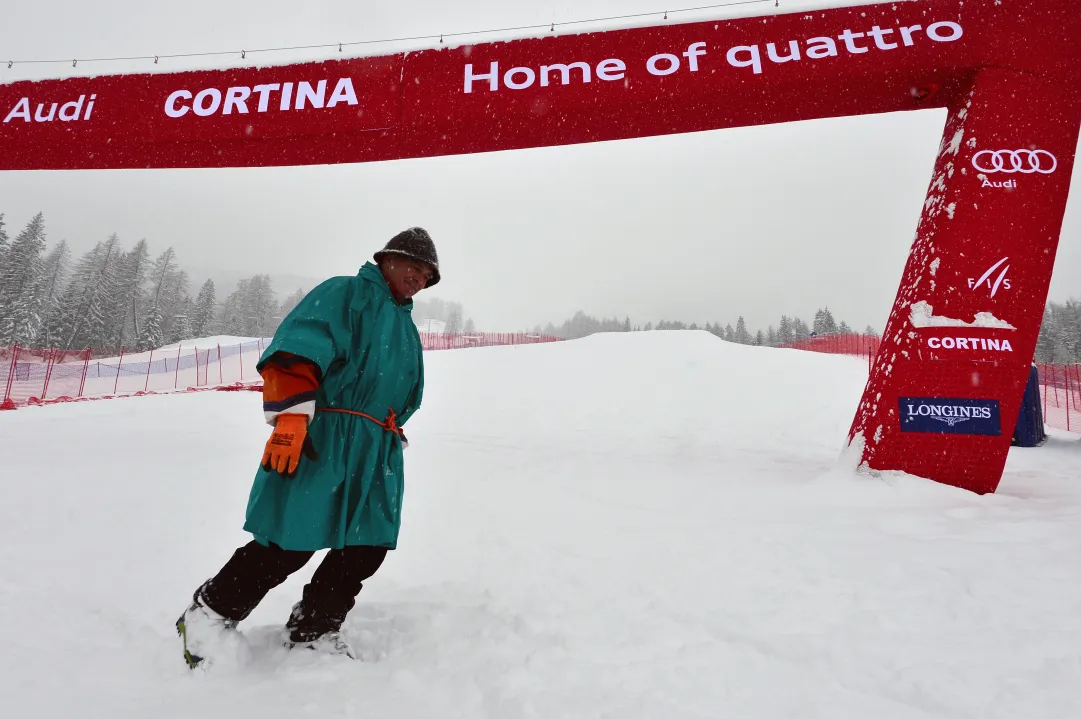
(254,570)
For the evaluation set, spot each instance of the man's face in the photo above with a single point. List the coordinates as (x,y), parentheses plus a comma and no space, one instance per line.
(406,276)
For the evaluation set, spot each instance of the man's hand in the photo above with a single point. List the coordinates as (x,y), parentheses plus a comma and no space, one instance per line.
(288,441)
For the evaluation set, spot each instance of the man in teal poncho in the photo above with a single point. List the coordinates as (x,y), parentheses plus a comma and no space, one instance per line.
(342,375)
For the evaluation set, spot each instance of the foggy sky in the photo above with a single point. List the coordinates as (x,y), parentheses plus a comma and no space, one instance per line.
(699,227)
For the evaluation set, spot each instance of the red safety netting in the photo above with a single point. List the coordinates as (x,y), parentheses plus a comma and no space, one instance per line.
(1060,394)
(1060,385)
(41,377)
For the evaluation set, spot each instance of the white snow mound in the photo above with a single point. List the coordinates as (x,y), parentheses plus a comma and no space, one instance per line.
(643,525)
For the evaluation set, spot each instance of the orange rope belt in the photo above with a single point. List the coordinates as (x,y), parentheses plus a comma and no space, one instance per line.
(390,424)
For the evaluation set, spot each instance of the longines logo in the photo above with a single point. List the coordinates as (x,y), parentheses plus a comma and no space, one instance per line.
(938,415)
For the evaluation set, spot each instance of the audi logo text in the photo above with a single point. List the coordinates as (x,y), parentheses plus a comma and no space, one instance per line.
(1026,162)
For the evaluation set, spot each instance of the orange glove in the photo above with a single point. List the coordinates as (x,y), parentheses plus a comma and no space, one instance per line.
(288,441)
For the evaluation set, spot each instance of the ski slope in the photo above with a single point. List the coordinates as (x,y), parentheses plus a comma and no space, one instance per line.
(634,525)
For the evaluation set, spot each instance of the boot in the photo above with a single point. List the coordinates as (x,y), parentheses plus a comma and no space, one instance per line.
(300,629)
(332,643)
(208,637)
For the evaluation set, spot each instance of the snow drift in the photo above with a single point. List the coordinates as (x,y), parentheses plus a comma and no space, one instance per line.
(650,524)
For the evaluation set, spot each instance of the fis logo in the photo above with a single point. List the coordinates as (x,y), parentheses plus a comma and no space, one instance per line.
(1000,281)
(937,415)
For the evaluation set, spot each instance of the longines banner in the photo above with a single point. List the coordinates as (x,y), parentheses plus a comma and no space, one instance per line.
(946,387)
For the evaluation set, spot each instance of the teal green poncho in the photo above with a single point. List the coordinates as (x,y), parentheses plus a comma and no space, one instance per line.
(369,352)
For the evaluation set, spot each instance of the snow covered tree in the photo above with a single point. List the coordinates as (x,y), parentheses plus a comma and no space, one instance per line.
(824,324)
(290,303)
(627,324)
(152,336)
(131,294)
(1045,345)
(800,330)
(742,335)
(771,337)
(57,265)
(252,310)
(471,327)
(759,339)
(20,279)
(844,329)
(89,298)
(454,321)
(205,304)
(784,333)
(174,301)
(161,274)
(870,331)
(181,327)
(3,240)
(729,333)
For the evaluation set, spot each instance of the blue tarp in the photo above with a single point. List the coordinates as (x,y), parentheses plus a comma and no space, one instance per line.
(1029,431)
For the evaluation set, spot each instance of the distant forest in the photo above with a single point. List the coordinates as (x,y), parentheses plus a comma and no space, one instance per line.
(788,329)
(113,297)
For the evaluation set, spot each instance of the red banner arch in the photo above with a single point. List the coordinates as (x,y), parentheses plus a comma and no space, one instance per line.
(946,387)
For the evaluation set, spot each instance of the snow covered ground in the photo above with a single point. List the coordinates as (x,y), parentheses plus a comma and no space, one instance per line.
(642,525)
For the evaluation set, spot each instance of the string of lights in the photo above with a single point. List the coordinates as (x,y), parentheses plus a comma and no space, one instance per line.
(243,53)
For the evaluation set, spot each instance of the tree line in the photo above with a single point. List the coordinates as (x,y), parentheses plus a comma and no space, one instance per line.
(113,297)
(788,329)
(1060,333)
(1059,338)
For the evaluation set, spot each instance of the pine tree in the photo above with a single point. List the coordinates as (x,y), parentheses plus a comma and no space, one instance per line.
(205,305)
(161,273)
(232,322)
(800,330)
(771,337)
(57,265)
(290,303)
(870,331)
(181,327)
(742,335)
(729,333)
(174,300)
(627,324)
(784,334)
(3,243)
(824,324)
(844,329)
(471,327)
(20,278)
(131,294)
(262,307)
(152,336)
(759,339)
(89,297)
(454,321)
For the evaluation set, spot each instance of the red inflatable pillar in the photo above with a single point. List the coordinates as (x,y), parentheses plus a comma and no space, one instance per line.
(946,387)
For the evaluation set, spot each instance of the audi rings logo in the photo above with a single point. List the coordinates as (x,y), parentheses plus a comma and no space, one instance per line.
(1026,162)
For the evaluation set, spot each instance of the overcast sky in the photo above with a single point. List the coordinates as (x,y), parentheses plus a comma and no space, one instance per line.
(699,227)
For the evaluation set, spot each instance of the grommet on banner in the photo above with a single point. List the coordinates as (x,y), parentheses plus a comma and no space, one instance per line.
(665,14)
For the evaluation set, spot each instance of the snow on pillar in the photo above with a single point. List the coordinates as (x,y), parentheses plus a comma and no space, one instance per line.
(946,387)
